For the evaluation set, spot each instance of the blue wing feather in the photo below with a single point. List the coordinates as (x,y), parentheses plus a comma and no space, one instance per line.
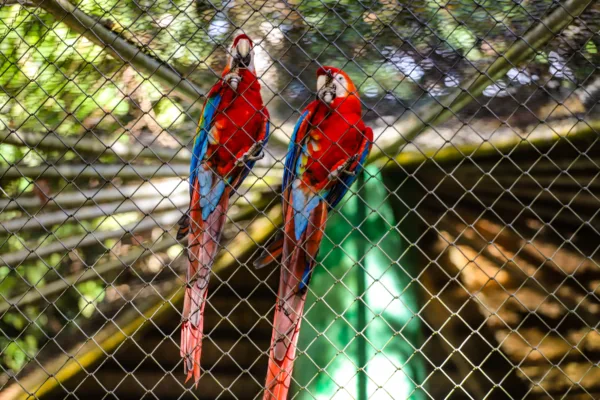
(268,130)
(211,190)
(201,140)
(305,276)
(292,154)
(303,203)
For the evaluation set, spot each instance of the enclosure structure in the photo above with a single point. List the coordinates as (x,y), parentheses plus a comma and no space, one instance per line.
(461,265)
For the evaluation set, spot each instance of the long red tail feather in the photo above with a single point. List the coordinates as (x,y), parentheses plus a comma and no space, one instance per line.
(290,301)
(271,253)
(203,246)
(286,327)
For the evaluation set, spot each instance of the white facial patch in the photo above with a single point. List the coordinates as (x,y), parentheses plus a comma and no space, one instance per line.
(329,87)
(242,50)
(341,86)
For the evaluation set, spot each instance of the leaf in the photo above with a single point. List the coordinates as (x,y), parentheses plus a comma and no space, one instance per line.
(92,292)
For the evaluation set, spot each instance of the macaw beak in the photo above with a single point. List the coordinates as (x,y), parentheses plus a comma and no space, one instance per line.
(242,53)
(327,92)
(243,48)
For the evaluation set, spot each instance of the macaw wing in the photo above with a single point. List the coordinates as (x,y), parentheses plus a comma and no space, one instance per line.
(209,110)
(202,138)
(295,148)
(300,198)
(337,192)
(264,137)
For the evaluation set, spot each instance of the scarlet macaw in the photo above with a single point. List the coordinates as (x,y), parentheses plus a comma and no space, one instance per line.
(232,132)
(328,148)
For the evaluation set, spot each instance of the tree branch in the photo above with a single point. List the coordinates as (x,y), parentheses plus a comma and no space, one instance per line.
(538,137)
(121,49)
(64,246)
(76,199)
(126,152)
(23,3)
(414,123)
(102,172)
(45,221)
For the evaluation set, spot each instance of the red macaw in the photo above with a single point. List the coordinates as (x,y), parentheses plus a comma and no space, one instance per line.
(232,132)
(327,150)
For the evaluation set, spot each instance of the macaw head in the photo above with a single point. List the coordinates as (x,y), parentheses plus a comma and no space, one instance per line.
(241,53)
(333,84)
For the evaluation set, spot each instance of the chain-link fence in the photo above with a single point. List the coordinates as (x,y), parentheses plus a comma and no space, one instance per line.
(461,264)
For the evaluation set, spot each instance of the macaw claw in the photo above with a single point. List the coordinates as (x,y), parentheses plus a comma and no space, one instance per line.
(254,153)
(233,80)
(343,169)
(257,157)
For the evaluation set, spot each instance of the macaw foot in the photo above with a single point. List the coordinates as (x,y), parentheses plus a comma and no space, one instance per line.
(254,153)
(233,80)
(343,169)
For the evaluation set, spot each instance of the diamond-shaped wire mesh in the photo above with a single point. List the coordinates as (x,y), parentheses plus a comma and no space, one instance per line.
(461,264)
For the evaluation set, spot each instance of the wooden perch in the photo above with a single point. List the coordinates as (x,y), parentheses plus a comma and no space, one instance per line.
(541,165)
(45,221)
(572,196)
(57,287)
(66,365)
(123,171)
(537,137)
(69,199)
(101,171)
(125,152)
(164,221)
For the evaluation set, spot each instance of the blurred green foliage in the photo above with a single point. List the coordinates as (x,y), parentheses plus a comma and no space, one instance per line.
(92,292)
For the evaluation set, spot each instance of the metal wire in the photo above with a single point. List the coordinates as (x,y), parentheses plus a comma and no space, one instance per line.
(462,264)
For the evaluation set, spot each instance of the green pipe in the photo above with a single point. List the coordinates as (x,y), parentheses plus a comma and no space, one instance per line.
(361,282)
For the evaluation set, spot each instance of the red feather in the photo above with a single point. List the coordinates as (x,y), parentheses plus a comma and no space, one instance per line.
(240,37)
(203,244)
(289,308)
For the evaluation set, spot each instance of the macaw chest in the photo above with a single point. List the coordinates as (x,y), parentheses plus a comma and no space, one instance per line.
(235,129)
(329,143)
